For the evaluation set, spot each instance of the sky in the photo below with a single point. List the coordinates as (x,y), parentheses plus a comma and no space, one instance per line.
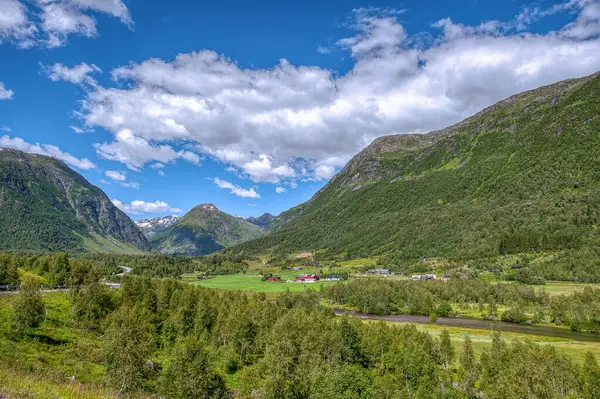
(254,106)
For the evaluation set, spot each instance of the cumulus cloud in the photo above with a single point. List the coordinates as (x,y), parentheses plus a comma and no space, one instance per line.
(116,175)
(280,190)
(292,122)
(137,207)
(236,190)
(135,152)
(5,94)
(50,22)
(46,149)
(77,75)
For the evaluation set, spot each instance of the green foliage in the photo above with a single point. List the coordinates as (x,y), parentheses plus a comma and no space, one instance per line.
(28,307)
(591,377)
(8,270)
(91,303)
(128,344)
(190,373)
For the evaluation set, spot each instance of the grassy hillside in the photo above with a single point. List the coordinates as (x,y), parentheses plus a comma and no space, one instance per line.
(204,230)
(522,176)
(45,205)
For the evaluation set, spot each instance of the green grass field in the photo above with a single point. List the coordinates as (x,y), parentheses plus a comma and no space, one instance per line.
(563,288)
(254,283)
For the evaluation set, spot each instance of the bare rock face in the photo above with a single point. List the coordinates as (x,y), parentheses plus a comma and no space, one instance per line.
(155,225)
(45,205)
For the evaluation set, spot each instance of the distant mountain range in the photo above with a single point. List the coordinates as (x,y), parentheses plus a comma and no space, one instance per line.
(521,176)
(155,225)
(203,230)
(263,221)
(45,205)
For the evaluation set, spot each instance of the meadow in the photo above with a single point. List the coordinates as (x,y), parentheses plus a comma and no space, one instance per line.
(254,283)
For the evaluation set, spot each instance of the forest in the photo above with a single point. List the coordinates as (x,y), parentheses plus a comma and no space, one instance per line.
(164,338)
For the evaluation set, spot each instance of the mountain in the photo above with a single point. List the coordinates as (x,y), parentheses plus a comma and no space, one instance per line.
(520,176)
(152,226)
(203,230)
(45,205)
(263,221)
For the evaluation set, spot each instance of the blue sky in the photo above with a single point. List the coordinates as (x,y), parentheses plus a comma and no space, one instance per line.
(254,106)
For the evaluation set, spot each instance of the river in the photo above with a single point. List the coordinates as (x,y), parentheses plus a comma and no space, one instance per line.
(501,326)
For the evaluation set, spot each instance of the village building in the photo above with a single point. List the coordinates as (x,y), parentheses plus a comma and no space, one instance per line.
(333,278)
(417,277)
(307,278)
(379,271)
(274,279)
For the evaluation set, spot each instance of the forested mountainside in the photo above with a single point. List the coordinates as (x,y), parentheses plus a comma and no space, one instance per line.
(203,230)
(522,175)
(47,206)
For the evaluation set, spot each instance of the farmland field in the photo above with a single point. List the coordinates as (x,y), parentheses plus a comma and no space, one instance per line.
(254,283)
(565,288)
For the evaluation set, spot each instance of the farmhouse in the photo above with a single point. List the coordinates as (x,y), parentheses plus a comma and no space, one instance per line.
(307,278)
(379,271)
(424,277)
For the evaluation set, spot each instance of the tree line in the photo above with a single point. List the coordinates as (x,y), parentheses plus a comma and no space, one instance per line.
(164,337)
(580,311)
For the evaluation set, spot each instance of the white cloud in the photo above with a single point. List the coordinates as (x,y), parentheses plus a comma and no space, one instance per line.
(79,130)
(50,22)
(130,185)
(280,190)
(77,75)
(15,24)
(252,205)
(135,151)
(5,129)
(324,172)
(293,122)
(46,149)
(138,206)
(5,94)
(236,190)
(157,165)
(116,175)
(105,182)
(121,178)
(323,50)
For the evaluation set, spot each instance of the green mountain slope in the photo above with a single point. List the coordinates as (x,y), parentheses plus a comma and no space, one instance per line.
(522,175)
(45,205)
(263,221)
(203,230)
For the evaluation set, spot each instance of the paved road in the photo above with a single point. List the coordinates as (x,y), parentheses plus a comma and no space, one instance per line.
(109,285)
